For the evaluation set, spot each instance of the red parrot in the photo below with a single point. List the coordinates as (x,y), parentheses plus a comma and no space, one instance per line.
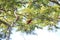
(29,21)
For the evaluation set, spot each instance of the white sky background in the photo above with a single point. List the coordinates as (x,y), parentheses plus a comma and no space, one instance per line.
(41,35)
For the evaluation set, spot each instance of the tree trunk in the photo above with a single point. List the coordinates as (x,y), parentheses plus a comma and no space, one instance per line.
(8,34)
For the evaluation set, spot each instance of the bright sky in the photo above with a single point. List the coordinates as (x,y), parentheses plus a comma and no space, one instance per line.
(41,35)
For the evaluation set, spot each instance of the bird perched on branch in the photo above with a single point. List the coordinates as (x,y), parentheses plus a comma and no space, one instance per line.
(29,21)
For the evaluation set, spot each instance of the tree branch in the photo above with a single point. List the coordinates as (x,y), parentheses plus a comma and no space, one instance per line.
(8,29)
(12,25)
(55,1)
(5,23)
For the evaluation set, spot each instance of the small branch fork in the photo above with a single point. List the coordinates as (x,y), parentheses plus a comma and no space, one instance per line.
(10,25)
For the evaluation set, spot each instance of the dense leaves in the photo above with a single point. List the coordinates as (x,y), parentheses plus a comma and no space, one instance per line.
(32,14)
(26,15)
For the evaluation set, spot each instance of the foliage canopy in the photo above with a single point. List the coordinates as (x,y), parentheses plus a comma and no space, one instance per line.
(31,14)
